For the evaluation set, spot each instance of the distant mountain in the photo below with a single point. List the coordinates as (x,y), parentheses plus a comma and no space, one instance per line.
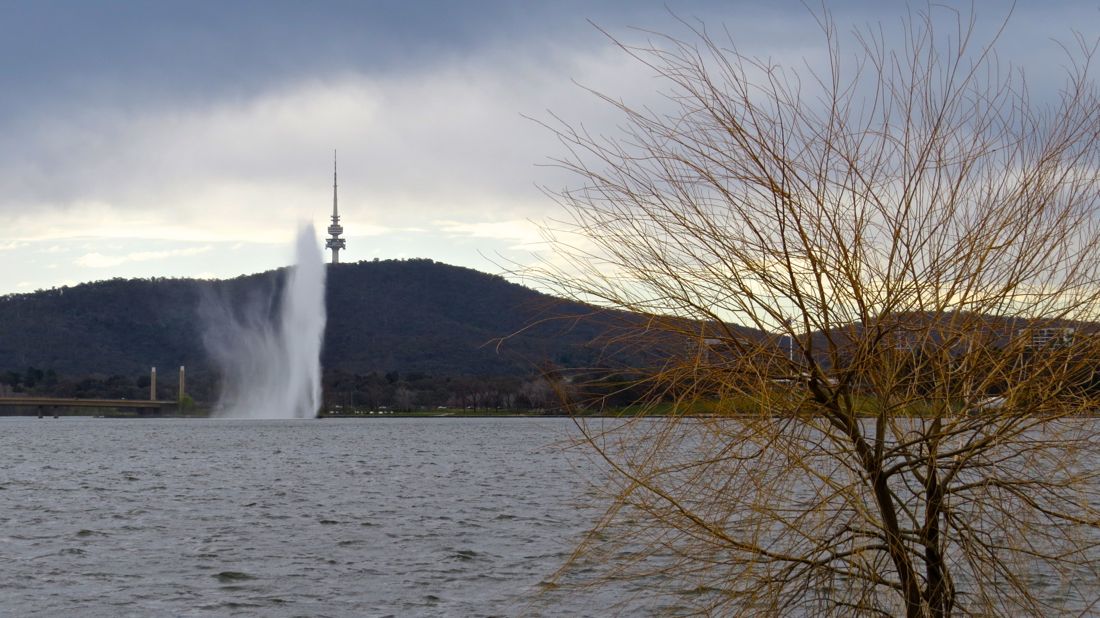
(383,316)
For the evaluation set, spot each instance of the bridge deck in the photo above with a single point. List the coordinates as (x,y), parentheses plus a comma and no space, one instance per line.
(66,402)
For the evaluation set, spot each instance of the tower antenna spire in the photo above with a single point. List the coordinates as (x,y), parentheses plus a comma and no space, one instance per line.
(334,241)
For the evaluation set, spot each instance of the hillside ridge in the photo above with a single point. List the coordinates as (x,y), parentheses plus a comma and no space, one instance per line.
(403,316)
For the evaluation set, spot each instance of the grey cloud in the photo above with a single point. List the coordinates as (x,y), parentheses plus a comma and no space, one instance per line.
(127,54)
(191,49)
(56,50)
(178,119)
(80,79)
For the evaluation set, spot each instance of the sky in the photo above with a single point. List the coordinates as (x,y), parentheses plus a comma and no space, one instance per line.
(193,138)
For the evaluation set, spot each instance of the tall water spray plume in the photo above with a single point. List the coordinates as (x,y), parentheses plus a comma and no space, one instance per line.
(268,344)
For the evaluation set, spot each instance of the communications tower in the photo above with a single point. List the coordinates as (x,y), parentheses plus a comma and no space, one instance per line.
(334,241)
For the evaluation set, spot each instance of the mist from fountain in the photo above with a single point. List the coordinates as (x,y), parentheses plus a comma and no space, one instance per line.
(268,345)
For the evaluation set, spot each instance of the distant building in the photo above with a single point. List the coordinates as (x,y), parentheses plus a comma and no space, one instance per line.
(334,241)
(1049,337)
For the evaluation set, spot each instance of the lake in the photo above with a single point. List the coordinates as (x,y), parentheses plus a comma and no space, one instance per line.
(334,517)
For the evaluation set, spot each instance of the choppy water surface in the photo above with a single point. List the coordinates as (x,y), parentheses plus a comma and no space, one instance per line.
(406,517)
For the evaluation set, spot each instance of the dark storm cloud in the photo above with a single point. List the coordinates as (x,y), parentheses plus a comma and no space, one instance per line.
(75,73)
(56,50)
(133,53)
(148,50)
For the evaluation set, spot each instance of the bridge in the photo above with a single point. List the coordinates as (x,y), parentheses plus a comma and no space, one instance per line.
(141,406)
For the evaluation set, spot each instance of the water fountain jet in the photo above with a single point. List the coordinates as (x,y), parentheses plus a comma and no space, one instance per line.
(269,348)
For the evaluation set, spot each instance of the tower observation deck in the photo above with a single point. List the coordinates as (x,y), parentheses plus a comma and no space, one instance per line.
(334,241)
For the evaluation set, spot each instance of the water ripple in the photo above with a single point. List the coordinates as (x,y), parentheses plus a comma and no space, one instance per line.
(401,517)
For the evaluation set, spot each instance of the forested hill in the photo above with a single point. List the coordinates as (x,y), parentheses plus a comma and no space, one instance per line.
(419,315)
(404,316)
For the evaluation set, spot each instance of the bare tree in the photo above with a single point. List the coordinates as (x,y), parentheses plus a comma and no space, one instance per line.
(886,277)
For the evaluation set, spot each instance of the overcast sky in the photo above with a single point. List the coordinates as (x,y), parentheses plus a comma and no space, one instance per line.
(144,139)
